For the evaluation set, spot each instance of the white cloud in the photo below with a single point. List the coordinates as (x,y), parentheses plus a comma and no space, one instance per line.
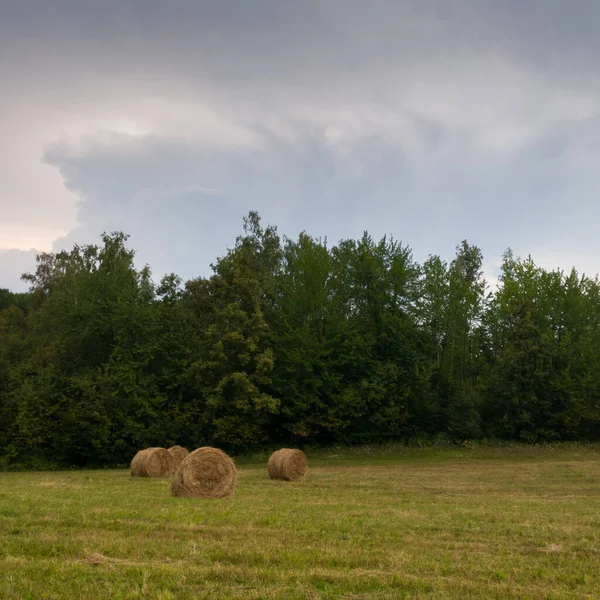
(13,263)
(26,236)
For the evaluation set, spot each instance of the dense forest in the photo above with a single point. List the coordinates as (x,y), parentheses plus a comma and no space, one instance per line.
(292,342)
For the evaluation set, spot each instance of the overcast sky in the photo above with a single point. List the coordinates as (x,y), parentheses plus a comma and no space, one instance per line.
(431,120)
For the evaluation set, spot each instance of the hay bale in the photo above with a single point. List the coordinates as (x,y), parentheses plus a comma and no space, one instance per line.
(287,464)
(205,473)
(157,462)
(152,462)
(178,453)
(136,468)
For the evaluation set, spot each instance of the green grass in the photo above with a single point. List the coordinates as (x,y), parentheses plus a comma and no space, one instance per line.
(463,523)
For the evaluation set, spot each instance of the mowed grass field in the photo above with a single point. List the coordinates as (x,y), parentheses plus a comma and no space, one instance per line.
(480,523)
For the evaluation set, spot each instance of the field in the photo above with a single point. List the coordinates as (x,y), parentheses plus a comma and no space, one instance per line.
(454,523)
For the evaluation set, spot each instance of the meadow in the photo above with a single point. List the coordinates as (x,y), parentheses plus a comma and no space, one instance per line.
(514,522)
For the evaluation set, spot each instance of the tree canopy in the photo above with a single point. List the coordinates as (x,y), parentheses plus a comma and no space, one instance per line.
(291,341)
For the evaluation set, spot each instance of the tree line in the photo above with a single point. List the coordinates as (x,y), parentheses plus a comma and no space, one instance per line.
(293,342)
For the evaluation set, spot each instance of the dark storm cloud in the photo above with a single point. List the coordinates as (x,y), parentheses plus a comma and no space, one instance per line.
(304,41)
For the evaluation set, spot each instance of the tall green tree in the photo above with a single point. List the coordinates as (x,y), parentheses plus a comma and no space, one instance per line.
(451,310)
(544,345)
(381,356)
(230,380)
(293,343)
(305,330)
(86,394)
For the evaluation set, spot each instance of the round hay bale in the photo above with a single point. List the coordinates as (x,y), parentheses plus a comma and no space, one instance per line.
(157,462)
(288,464)
(152,462)
(136,464)
(178,453)
(205,473)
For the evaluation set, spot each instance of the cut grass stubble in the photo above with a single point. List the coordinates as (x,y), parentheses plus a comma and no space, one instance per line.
(472,526)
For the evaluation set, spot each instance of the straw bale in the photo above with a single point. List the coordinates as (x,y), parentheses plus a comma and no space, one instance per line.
(205,473)
(152,462)
(178,453)
(287,464)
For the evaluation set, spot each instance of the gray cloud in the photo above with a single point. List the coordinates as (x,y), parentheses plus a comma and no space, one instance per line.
(430,120)
(272,39)
(174,196)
